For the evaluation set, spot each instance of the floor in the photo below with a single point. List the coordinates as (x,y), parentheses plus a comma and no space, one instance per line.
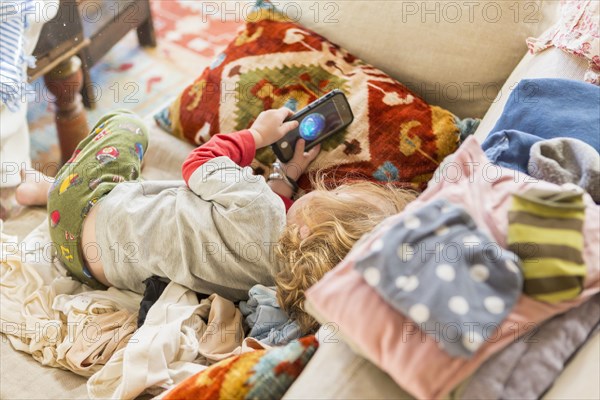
(140,79)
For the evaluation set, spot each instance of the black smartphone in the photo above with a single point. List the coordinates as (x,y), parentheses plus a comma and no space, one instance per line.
(317,121)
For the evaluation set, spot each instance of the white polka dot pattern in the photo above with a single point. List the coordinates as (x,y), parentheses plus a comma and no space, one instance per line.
(372,276)
(472,341)
(412,222)
(436,269)
(458,305)
(412,282)
(479,273)
(494,304)
(419,313)
(445,272)
(401,281)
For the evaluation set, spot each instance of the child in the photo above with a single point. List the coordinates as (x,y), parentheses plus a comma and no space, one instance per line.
(215,232)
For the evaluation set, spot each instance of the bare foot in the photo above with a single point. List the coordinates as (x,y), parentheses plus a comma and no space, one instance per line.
(4,215)
(33,191)
(8,204)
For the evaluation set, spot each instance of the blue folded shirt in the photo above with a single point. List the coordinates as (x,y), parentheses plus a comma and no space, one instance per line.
(540,109)
(551,108)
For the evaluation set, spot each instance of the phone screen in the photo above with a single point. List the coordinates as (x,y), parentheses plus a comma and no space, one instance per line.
(318,122)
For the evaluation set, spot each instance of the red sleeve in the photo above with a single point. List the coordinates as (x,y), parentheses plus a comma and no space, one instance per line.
(287,201)
(238,146)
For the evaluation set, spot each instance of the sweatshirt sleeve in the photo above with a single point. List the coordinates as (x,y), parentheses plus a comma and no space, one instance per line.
(239,147)
(218,171)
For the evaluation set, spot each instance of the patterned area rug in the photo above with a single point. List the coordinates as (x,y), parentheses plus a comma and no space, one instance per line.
(138,79)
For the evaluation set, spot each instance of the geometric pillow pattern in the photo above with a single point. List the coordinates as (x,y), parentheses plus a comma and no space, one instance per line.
(396,136)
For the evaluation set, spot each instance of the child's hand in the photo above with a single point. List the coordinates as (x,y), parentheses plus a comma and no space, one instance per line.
(269,126)
(301,159)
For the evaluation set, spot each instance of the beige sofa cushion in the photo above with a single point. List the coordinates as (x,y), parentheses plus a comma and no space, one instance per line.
(456,55)
(580,377)
(336,372)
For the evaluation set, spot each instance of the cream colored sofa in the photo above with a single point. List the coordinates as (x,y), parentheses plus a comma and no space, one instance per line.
(434,52)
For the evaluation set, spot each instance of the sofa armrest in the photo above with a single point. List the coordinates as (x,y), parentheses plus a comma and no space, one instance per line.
(551,63)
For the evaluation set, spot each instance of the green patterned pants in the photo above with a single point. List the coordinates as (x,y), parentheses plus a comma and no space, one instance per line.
(111,154)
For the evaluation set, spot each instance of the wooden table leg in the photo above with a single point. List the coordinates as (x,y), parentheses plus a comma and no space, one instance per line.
(65,83)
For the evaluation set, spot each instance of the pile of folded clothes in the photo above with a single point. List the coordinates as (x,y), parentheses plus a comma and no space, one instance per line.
(503,246)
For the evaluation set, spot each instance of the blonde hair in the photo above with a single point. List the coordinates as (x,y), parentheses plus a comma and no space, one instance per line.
(335,223)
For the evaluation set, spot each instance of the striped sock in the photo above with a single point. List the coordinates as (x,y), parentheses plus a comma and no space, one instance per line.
(545,231)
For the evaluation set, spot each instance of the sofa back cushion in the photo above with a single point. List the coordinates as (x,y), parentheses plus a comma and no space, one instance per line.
(455,55)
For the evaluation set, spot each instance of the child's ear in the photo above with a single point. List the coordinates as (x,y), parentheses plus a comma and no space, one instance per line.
(304,232)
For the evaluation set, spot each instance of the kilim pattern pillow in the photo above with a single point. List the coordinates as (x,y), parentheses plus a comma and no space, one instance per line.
(396,137)
(261,374)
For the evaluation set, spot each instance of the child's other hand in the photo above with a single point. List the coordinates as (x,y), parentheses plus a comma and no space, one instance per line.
(269,126)
(301,159)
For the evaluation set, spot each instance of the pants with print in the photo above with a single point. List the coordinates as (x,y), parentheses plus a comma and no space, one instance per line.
(111,154)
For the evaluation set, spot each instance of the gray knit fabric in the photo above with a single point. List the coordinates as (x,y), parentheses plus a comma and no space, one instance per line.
(566,160)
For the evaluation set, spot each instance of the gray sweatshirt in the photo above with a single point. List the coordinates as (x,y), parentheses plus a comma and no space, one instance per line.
(216,236)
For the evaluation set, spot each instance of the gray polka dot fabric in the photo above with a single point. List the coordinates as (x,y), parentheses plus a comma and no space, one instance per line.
(438,269)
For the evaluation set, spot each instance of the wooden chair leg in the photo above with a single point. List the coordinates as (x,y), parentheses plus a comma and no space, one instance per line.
(65,83)
(145,31)
(87,92)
